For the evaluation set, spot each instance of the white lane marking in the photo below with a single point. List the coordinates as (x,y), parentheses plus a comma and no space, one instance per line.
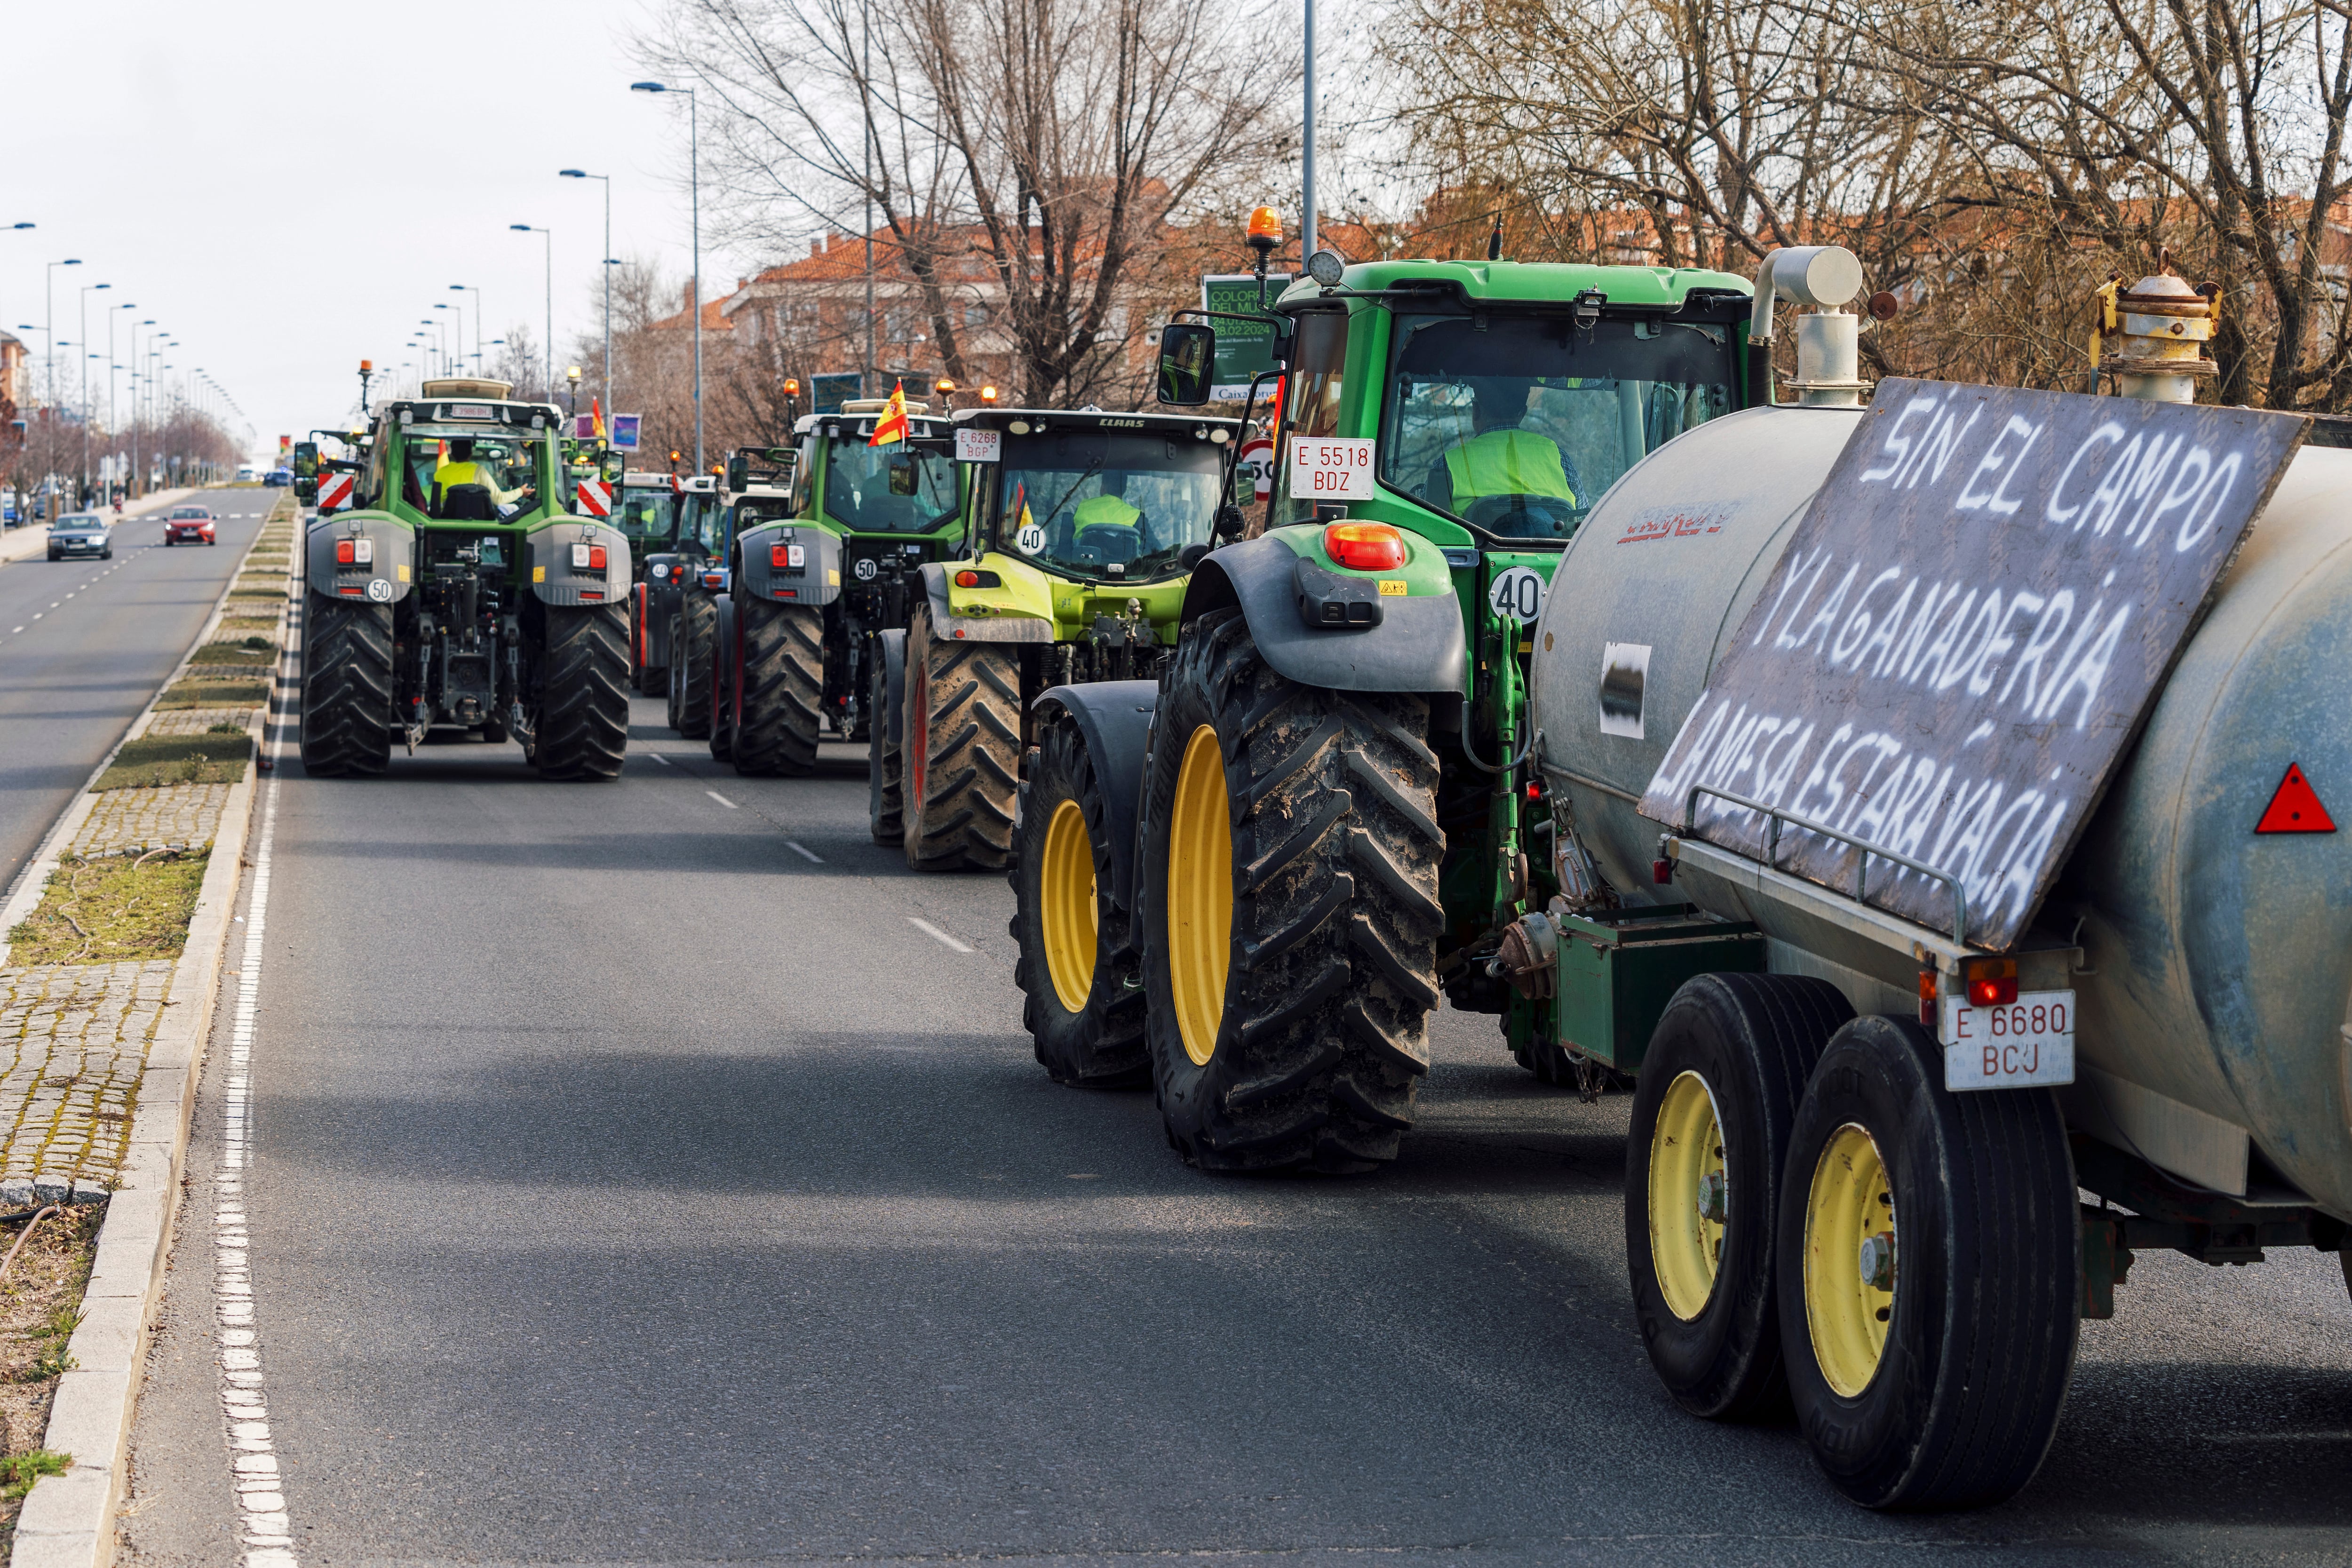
(660,758)
(265,1529)
(928,929)
(13,630)
(722,800)
(804,852)
(38,614)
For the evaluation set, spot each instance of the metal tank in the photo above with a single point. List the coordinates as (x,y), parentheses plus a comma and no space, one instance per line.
(2215,968)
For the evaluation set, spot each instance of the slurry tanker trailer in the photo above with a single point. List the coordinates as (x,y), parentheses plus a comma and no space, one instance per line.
(1939,824)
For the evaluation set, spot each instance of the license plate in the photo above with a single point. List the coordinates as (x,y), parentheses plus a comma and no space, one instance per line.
(2023,1044)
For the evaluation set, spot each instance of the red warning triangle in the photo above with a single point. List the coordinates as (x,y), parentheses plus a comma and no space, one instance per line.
(2295,808)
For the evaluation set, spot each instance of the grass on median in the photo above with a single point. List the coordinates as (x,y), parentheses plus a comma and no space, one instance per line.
(113,909)
(252,652)
(154,761)
(214,691)
(40,1302)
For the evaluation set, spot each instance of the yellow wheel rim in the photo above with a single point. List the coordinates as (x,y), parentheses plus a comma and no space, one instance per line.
(1690,1196)
(1850,1260)
(1200,894)
(1066,899)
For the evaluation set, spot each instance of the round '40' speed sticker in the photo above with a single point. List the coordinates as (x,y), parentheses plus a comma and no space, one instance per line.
(1519,592)
(1030,540)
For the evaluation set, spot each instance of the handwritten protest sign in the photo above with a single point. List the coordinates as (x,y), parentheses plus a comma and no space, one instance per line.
(1966,631)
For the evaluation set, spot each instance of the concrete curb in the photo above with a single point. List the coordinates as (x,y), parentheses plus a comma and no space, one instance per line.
(68,1521)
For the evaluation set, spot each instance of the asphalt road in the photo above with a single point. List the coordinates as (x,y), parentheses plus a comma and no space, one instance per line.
(629,1186)
(84,644)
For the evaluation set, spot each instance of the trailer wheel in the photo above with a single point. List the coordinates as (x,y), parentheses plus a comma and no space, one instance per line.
(1929,1262)
(347,687)
(582,729)
(782,678)
(691,639)
(962,751)
(884,789)
(1719,1087)
(1078,969)
(1290,856)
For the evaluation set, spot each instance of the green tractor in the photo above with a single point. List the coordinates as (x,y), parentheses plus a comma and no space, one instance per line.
(1278,858)
(452,590)
(822,541)
(1083,525)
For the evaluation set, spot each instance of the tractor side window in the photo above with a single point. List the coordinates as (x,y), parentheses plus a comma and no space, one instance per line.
(1318,364)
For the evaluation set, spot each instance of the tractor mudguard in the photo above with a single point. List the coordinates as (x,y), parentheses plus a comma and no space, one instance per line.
(894,677)
(1418,645)
(554,580)
(976,628)
(383,579)
(815,581)
(1114,718)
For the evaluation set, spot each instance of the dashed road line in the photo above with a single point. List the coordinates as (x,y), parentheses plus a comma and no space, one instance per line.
(264,1527)
(928,929)
(804,851)
(722,800)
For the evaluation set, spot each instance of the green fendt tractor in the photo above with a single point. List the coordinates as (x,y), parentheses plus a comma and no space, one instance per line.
(455,591)
(1083,525)
(1313,823)
(817,567)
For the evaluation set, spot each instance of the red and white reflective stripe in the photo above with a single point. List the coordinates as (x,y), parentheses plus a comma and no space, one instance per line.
(334,492)
(595,499)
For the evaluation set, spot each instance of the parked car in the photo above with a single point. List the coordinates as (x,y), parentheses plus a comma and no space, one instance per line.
(189,525)
(278,478)
(81,533)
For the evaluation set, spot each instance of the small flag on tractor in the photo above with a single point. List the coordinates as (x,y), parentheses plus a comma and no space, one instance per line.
(892,425)
(595,499)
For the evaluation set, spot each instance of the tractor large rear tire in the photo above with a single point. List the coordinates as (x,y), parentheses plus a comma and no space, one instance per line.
(347,687)
(962,750)
(783,688)
(1079,970)
(1290,947)
(690,663)
(885,789)
(584,714)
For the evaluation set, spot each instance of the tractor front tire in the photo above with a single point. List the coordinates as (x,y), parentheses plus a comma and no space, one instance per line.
(584,711)
(885,759)
(691,651)
(347,687)
(1290,858)
(1079,970)
(783,688)
(962,750)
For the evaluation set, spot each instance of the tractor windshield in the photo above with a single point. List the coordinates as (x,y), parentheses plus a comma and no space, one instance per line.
(1105,506)
(471,474)
(1517,426)
(906,486)
(646,514)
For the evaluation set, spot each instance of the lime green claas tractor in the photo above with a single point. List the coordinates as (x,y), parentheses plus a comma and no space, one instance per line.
(1081,526)
(1324,819)
(450,588)
(826,537)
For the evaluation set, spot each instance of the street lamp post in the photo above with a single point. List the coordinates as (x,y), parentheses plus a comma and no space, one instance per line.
(694,180)
(460,333)
(87,289)
(481,366)
(607,271)
(113,433)
(549,236)
(50,331)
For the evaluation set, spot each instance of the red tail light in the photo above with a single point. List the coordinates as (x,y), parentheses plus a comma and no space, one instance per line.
(595,558)
(354,552)
(343,552)
(714,579)
(1993,982)
(1364,546)
(788,557)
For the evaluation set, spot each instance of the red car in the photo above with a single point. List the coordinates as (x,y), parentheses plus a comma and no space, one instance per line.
(189,525)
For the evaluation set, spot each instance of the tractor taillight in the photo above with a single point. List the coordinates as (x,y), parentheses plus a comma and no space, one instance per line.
(788,557)
(714,579)
(595,558)
(354,552)
(1993,982)
(1364,546)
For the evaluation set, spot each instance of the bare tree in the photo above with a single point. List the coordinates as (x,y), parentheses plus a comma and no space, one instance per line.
(1032,153)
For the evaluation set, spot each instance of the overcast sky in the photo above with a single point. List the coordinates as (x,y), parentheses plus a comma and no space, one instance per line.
(288,188)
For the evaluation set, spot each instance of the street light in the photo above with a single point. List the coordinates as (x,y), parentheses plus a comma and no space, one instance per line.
(694,179)
(481,367)
(549,234)
(50,331)
(607,271)
(87,289)
(461,332)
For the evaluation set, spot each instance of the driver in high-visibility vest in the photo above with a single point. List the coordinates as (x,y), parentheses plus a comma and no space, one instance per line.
(1499,458)
(458,467)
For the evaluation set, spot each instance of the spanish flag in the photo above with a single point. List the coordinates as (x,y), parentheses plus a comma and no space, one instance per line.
(892,425)
(596,418)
